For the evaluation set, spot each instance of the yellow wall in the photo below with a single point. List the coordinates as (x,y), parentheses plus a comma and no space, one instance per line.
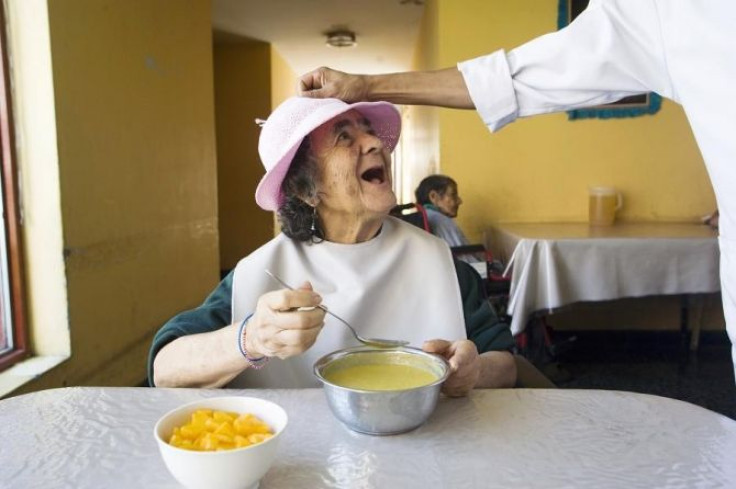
(538,169)
(283,79)
(283,86)
(251,79)
(136,161)
(418,149)
(242,94)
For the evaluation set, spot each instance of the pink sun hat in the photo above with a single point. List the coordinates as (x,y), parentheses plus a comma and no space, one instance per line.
(294,119)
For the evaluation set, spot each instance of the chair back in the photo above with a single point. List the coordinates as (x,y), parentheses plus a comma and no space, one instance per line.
(412,213)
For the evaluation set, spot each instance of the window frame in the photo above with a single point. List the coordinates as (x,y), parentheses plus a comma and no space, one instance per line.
(13,219)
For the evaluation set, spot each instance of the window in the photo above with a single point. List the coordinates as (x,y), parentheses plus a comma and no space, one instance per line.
(12,307)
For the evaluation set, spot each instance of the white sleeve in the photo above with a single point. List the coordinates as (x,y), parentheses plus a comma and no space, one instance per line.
(613,49)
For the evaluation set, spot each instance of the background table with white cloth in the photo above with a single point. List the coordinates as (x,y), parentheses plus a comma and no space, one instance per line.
(557,264)
(102,437)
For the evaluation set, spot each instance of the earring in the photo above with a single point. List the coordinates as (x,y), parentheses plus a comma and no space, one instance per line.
(313,228)
(316,234)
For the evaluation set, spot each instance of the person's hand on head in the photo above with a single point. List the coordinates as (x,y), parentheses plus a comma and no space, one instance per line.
(327,83)
(462,355)
(285,323)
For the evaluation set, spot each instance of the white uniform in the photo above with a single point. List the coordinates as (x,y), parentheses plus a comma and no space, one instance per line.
(399,285)
(684,50)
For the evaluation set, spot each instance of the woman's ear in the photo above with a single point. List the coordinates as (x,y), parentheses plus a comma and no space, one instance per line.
(434,196)
(310,201)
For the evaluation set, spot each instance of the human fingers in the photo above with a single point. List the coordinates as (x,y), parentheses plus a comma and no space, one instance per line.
(290,342)
(272,313)
(283,333)
(439,347)
(307,285)
(463,353)
(328,83)
(444,348)
(464,369)
(285,299)
(293,332)
(310,84)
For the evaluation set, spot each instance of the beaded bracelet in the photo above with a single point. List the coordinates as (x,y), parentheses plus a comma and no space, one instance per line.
(256,363)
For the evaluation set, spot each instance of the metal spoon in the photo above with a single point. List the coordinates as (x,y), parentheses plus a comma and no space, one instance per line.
(376,342)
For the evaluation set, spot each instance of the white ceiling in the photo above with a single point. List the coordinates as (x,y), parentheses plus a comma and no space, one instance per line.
(386,30)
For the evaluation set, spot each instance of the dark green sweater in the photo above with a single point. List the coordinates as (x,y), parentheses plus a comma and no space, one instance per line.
(481,322)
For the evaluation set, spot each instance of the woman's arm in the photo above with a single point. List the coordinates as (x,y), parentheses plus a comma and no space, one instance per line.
(443,88)
(482,325)
(209,359)
(212,315)
(199,348)
(497,369)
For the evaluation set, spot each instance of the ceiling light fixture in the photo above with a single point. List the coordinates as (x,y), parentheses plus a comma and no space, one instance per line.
(342,38)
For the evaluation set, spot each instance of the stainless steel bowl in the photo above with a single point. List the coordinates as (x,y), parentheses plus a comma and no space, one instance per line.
(387,412)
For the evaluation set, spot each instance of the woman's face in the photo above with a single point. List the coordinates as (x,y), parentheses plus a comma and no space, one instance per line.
(448,202)
(354,171)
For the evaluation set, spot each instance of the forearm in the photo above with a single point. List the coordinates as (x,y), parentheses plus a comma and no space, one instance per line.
(200,360)
(443,88)
(497,370)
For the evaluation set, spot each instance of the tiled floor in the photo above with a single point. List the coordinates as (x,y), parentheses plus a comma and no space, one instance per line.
(652,363)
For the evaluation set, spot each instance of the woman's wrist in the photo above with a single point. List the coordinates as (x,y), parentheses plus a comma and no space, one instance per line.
(497,370)
(252,357)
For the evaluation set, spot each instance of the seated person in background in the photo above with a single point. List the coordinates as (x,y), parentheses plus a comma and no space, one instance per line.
(438,194)
(328,177)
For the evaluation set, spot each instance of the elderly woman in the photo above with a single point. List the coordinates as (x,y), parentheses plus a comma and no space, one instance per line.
(328,176)
(439,196)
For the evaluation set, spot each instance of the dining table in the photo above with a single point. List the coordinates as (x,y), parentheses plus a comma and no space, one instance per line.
(552,265)
(102,437)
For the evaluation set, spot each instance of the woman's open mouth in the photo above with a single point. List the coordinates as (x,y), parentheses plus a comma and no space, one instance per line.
(375,175)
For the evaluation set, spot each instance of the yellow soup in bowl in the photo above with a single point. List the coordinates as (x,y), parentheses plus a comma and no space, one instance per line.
(381,377)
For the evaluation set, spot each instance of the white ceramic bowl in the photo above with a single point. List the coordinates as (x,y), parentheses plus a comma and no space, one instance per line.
(239,468)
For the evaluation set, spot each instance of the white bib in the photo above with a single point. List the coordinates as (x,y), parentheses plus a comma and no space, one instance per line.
(399,285)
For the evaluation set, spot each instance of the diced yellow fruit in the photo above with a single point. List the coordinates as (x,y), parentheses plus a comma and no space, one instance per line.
(224,438)
(219,430)
(190,432)
(242,441)
(258,437)
(248,424)
(209,442)
(222,416)
(226,428)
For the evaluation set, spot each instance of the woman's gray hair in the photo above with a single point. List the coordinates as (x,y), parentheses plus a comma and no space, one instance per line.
(437,183)
(298,219)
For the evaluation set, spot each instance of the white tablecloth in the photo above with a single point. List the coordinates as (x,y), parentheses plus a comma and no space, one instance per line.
(554,265)
(88,437)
